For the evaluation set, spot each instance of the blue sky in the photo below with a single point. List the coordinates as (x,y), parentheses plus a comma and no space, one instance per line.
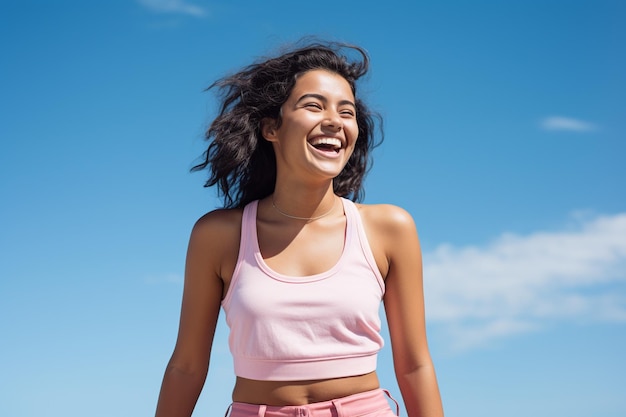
(505,138)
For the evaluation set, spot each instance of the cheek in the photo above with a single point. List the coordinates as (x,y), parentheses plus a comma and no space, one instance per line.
(304,123)
(352,131)
(291,128)
(353,134)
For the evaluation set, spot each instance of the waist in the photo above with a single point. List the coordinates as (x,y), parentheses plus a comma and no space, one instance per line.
(361,404)
(297,393)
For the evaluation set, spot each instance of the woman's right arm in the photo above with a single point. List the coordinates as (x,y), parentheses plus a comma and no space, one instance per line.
(187,369)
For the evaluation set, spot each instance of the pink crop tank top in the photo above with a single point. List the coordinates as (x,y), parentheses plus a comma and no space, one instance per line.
(286,328)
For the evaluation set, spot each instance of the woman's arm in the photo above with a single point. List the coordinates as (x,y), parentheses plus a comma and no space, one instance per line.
(404,307)
(187,369)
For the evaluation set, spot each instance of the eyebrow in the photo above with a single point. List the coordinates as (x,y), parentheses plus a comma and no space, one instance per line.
(324,99)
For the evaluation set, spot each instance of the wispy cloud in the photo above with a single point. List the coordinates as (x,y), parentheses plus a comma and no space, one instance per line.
(518,284)
(555,123)
(174,6)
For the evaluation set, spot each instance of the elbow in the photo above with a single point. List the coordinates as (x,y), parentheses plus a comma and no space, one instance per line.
(407,369)
(186,368)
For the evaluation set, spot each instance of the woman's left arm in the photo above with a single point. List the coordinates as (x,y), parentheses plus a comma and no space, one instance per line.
(404,307)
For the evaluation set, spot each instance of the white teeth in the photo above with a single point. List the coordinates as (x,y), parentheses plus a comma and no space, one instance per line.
(326,141)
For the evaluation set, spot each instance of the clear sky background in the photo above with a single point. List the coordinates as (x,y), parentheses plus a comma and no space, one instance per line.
(505,139)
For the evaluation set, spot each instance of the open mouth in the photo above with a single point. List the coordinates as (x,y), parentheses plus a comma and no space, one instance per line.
(326,144)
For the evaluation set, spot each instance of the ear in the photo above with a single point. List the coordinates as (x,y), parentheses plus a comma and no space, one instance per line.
(268,129)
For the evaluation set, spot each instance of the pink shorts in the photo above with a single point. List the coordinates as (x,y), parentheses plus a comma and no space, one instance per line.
(365,404)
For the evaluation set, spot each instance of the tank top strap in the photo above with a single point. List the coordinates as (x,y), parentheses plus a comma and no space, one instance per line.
(247,242)
(353,218)
(349,208)
(248,238)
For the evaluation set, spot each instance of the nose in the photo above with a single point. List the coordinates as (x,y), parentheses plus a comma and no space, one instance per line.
(333,121)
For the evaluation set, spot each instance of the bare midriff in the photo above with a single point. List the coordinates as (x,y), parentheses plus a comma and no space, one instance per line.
(281,393)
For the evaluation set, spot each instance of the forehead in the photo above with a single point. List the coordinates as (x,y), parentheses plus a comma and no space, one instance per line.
(323,82)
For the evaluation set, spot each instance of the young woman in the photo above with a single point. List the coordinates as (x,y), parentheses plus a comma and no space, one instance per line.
(299,269)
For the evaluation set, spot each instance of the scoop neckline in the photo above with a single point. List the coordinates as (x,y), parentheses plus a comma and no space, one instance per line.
(305,278)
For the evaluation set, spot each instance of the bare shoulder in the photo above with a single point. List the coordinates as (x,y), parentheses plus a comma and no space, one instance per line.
(220,221)
(391,234)
(214,241)
(387,219)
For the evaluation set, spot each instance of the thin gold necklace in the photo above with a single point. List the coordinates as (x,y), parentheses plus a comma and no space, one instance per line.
(302,218)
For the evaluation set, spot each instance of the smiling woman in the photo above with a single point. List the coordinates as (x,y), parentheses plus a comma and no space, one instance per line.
(299,269)
(241,163)
(318,128)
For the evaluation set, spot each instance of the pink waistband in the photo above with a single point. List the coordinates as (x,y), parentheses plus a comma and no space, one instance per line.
(350,406)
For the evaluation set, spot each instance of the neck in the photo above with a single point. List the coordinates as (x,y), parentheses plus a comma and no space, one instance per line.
(303,202)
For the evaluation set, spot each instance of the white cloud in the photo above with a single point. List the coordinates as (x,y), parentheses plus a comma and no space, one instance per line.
(518,284)
(566,124)
(174,6)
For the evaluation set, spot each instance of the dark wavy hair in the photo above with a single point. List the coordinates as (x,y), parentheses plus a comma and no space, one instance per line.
(241,162)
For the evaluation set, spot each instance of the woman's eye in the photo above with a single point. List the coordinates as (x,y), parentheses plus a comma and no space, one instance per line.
(313,106)
(349,113)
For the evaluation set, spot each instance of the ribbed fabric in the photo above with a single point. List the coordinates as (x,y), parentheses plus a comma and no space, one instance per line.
(286,328)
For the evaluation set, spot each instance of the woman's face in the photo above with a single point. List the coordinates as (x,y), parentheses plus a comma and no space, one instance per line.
(319,127)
